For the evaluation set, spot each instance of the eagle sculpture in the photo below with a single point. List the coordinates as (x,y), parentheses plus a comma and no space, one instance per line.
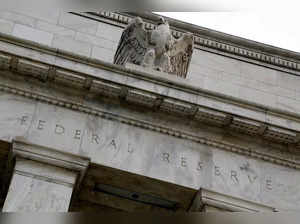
(156,49)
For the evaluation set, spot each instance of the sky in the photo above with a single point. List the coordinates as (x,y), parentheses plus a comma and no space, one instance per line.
(279,28)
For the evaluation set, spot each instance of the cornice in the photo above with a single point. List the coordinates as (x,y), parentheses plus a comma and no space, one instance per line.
(246,151)
(142,98)
(139,96)
(218,42)
(164,80)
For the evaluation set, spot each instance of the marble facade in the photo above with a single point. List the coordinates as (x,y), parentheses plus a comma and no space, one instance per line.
(70,117)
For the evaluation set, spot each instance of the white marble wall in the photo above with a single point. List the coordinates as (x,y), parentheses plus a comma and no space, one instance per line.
(63,30)
(37,187)
(149,153)
(208,70)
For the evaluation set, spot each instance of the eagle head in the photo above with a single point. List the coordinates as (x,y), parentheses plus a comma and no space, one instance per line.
(138,22)
(161,21)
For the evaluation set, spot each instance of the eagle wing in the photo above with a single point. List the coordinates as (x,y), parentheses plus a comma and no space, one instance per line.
(181,54)
(133,43)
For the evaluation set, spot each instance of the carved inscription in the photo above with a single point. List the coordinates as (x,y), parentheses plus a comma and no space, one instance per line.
(182,161)
(59,129)
(95,139)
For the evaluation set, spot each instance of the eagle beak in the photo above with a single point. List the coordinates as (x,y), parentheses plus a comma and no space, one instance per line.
(161,21)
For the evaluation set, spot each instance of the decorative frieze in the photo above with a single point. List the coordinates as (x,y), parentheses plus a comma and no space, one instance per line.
(141,98)
(154,127)
(69,78)
(4,61)
(34,69)
(166,103)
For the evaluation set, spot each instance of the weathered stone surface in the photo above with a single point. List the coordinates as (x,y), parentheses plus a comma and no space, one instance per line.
(29,33)
(40,56)
(69,44)
(18,18)
(152,154)
(109,32)
(49,16)
(78,23)
(6,26)
(206,201)
(104,54)
(232,76)
(55,29)
(97,41)
(253,82)
(37,187)
(131,145)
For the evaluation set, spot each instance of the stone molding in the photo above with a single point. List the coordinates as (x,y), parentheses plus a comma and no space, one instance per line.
(9,60)
(142,97)
(57,158)
(43,171)
(212,43)
(206,197)
(157,128)
(182,104)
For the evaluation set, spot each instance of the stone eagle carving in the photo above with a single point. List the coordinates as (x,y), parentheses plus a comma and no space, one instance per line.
(156,49)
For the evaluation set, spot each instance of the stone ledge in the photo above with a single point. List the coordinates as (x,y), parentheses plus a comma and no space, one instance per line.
(162,92)
(57,158)
(45,172)
(206,197)
(242,150)
(31,51)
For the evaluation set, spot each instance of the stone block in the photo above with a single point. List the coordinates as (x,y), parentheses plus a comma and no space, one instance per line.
(147,86)
(257,96)
(256,72)
(37,187)
(45,170)
(288,81)
(282,122)
(198,81)
(288,104)
(222,87)
(26,52)
(78,23)
(32,34)
(37,195)
(98,41)
(152,153)
(284,92)
(69,44)
(203,70)
(50,16)
(109,32)
(103,54)
(183,95)
(215,61)
(232,78)
(6,26)
(18,18)
(55,29)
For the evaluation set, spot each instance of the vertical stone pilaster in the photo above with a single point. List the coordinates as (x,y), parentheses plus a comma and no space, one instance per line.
(43,179)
